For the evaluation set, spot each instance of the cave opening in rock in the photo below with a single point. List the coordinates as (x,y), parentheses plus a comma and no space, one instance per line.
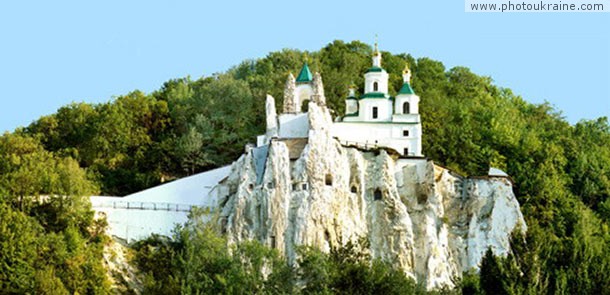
(329,179)
(354,189)
(377,194)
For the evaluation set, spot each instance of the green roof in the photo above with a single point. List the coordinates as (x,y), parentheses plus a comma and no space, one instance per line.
(305,75)
(375,69)
(374,95)
(406,89)
(351,97)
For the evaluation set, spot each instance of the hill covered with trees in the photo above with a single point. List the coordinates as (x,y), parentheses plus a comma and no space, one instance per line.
(138,140)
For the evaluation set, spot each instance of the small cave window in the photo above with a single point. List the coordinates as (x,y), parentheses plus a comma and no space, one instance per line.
(377,195)
(375,86)
(271,185)
(305,106)
(273,242)
(354,189)
(375,113)
(251,186)
(406,151)
(328,180)
(304,186)
(295,187)
(405,133)
(405,108)
(223,225)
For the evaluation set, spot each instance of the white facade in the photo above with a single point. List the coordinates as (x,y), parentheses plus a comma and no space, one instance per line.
(401,137)
(351,106)
(303,92)
(380,120)
(374,120)
(376,82)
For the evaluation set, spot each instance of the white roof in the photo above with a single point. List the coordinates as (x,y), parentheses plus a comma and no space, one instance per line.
(192,190)
(496,172)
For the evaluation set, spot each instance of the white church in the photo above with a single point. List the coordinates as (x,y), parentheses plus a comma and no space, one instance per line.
(372,120)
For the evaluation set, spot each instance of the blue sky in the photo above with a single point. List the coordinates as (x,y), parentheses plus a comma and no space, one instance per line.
(56,52)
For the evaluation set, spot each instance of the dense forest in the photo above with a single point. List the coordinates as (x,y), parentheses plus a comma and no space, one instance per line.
(138,140)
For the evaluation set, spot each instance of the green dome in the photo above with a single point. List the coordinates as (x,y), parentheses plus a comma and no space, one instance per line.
(406,89)
(375,69)
(305,75)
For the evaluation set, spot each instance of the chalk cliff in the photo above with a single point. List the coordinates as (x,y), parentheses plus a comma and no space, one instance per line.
(425,219)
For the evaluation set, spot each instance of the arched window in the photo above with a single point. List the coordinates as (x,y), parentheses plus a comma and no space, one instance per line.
(375,86)
(405,108)
(375,114)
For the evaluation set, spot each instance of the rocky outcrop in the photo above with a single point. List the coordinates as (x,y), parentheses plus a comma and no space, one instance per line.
(123,276)
(290,105)
(427,220)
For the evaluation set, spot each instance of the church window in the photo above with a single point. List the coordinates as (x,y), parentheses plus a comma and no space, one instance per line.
(375,115)
(406,152)
(377,195)
(405,108)
(375,86)
(405,133)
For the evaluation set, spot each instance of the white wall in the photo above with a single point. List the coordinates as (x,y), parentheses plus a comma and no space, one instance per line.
(351,106)
(380,134)
(301,93)
(130,224)
(380,77)
(158,209)
(365,110)
(413,103)
(293,125)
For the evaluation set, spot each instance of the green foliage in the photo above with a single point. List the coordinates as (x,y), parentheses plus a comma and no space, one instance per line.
(198,261)
(49,241)
(350,270)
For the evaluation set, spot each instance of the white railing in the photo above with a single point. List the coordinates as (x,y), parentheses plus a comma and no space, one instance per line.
(143,206)
(363,145)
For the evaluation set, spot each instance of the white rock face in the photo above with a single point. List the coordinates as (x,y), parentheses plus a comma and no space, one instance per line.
(425,219)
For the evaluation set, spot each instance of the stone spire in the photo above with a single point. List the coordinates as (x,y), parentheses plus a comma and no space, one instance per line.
(271,117)
(290,105)
(318,90)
